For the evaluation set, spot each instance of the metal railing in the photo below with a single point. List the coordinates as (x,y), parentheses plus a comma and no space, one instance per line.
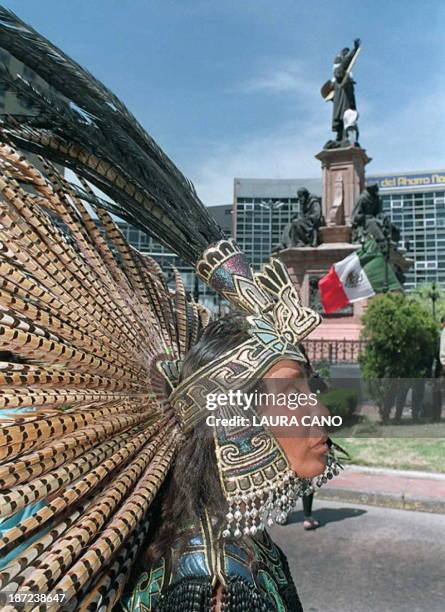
(334,351)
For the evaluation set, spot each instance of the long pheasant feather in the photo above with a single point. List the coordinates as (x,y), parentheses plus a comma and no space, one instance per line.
(95,134)
(86,432)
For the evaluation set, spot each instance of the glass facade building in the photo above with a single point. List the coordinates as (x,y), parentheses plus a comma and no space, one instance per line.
(166,259)
(260,224)
(9,103)
(414,201)
(262,208)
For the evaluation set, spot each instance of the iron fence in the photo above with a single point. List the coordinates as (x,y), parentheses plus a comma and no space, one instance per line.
(334,351)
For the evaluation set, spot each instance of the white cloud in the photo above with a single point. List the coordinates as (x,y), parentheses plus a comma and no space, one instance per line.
(291,76)
(410,137)
(287,79)
(286,153)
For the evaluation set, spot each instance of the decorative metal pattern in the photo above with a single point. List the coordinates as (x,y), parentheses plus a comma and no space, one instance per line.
(334,351)
(253,468)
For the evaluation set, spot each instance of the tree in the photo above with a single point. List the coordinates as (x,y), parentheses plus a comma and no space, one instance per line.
(431,297)
(401,340)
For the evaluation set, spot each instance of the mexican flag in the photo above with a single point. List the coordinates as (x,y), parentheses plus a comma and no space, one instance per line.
(357,277)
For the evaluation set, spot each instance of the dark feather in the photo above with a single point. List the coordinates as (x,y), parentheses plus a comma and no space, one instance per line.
(88,129)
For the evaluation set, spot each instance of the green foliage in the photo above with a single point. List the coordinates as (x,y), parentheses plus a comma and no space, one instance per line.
(401,338)
(431,297)
(323,368)
(340,402)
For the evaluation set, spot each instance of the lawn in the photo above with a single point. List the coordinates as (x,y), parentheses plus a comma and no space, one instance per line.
(426,454)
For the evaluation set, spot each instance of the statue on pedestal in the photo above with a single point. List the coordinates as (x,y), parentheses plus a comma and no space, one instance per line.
(340,89)
(368,219)
(303,228)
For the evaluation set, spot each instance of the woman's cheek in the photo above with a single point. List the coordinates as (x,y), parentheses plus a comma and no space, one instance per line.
(312,467)
(303,460)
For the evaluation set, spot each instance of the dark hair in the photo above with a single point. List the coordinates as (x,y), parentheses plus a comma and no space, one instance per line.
(442,318)
(192,483)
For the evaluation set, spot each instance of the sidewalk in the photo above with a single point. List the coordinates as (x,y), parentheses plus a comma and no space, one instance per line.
(405,490)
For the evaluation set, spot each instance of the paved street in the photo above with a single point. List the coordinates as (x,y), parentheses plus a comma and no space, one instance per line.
(367,559)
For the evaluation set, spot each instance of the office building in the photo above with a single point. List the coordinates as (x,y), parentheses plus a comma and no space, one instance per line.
(146,244)
(415,202)
(262,208)
(9,103)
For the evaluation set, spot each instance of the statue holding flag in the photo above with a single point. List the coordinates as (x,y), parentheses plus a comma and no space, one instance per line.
(376,267)
(369,222)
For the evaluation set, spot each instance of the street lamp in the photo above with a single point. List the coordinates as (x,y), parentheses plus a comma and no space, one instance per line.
(434,295)
(271,205)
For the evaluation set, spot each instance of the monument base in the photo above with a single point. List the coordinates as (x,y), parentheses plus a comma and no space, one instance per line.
(343,179)
(306,266)
(335,233)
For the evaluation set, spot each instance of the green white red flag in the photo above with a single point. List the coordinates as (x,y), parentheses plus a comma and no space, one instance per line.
(357,277)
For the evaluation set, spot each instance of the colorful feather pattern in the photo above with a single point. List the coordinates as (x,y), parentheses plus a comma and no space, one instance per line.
(87,436)
(86,432)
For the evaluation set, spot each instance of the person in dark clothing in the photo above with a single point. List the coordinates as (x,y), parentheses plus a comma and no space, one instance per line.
(309,522)
(438,374)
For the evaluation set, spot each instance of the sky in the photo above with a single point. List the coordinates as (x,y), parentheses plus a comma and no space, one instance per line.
(231,88)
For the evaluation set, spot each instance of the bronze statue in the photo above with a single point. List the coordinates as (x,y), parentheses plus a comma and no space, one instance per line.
(340,89)
(368,219)
(303,228)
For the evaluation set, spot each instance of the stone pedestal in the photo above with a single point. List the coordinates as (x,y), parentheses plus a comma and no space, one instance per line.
(335,233)
(307,264)
(343,180)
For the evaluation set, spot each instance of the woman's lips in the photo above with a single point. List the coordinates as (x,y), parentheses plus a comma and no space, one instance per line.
(320,446)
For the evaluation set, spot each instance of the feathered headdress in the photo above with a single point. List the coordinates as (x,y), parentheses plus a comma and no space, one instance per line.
(90,333)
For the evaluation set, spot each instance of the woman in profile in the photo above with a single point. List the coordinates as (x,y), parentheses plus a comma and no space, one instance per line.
(188,564)
(106,395)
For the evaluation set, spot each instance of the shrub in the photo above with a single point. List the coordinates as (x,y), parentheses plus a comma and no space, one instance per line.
(323,368)
(401,338)
(401,341)
(340,402)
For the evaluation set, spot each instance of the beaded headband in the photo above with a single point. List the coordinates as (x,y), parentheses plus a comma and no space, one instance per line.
(278,322)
